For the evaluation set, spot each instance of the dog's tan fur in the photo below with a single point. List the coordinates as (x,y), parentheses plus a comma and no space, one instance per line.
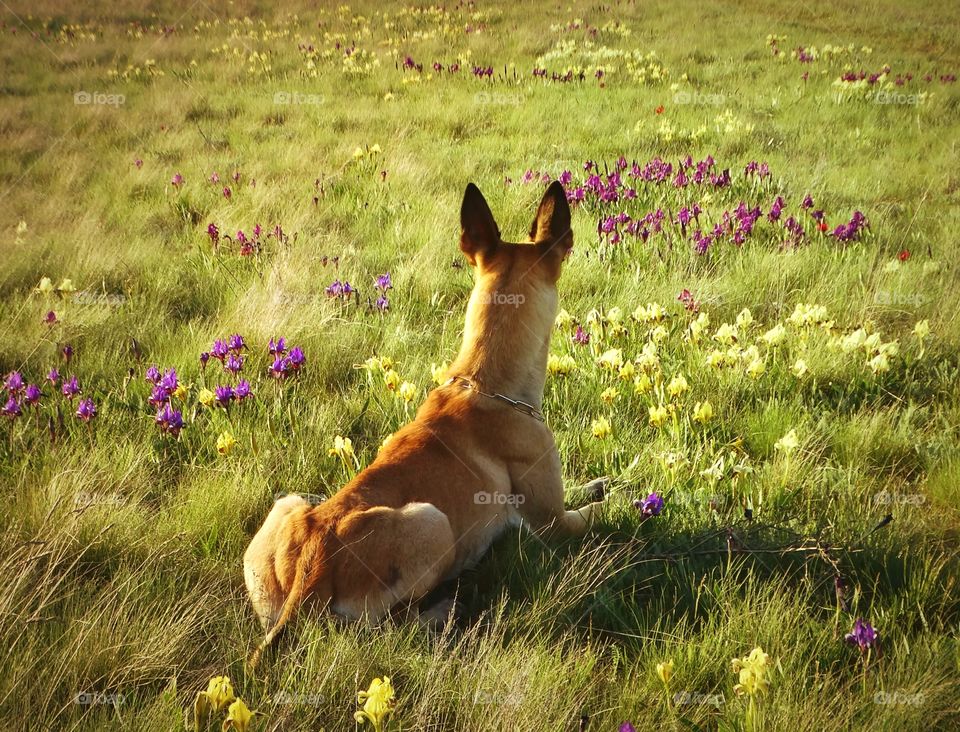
(412,518)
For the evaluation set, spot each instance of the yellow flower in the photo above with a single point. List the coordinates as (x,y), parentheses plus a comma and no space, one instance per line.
(715,472)
(391,379)
(879,364)
(238,717)
(206,397)
(46,286)
(745,319)
(342,447)
(699,326)
(642,384)
(703,412)
(563,320)
(375,150)
(658,416)
(181,391)
(665,671)
(439,372)
(922,329)
(652,313)
(407,391)
(561,365)
(753,672)
(775,336)
(21,227)
(627,371)
(377,703)
(66,285)
(608,396)
(726,334)
(615,315)
(386,441)
(788,443)
(658,334)
(853,341)
(358,153)
(600,427)
(677,386)
(756,368)
(716,359)
(219,692)
(611,360)
(225,443)
(800,369)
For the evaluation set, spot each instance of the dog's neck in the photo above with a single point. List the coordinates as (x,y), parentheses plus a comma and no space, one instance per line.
(507,339)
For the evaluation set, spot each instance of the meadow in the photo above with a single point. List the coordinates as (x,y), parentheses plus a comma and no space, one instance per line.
(758,341)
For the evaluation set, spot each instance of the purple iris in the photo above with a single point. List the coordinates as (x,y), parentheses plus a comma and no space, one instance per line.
(168,382)
(53,376)
(170,420)
(296,359)
(152,375)
(67,352)
(243,390)
(159,396)
(652,505)
(382,303)
(223,394)
(219,349)
(233,364)
(14,382)
(280,368)
(383,282)
(204,357)
(70,388)
(277,347)
(32,394)
(214,233)
(86,410)
(863,635)
(236,342)
(12,408)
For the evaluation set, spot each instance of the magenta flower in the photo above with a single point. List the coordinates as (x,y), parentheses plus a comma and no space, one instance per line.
(863,635)
(177,180)
(227,192)
(139,163)
(223,395)
(13,382)
(581,337)
(214,177)
(70,388)
(213,232)
(12,408)
(277,347)
(650,506)
(50,318)
(86,410)
(243,390)
(296,359)
(53,376)
(32,394)
(219,349)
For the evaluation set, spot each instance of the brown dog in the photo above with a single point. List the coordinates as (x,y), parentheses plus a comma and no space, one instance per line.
(476,460)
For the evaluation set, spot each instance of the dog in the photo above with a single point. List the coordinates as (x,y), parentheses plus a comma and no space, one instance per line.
(477,459)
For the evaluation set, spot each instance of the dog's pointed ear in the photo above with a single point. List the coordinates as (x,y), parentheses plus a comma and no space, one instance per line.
(551,225)
(480,232)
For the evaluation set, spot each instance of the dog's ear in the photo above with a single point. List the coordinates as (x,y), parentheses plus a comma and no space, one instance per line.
(480,233)
(551,225)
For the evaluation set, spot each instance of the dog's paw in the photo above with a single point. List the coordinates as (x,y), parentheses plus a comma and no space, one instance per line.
(596,489)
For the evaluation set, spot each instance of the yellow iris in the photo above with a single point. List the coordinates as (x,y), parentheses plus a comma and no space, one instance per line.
(377,703)
(206,397)
(238,717)
(753,671)
(702,412)
(407,391)
(600,427)
(665,671)
(225,443)
(658,416)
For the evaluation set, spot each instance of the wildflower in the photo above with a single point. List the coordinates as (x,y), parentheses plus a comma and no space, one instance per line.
(277,347)
(726,334)
(342,448)
(921,330)
(407,391)
(756,368)
(788,443)
(665,671)
(181,391)
(70,388)
(233,364)
(611,360)
(600,427)
(226,442)
(238,717)
(280,367)
(438,372)
(243,390)
(863,635)
(218,695)
(169,420)
(50,318)
(13,382)
(879,364)
(855,340)
(53,376)
(236,343)
(563,320)
(223,395)
(12,408)
(32,394)
(677,386)
(699,326)
(377,703)
(383,282)
(206,397)
(66,286)
(177,180)
(650,506)
(658,416)
(391,380)
(608,396)
(296,359)
(715,472)
(702,412)
(581,337)
(800,369)
(67,352)
(220,349)
(627,371)
(86,410)
(45,287)
(745,319)
(752,670)
(204,357)
(557,365)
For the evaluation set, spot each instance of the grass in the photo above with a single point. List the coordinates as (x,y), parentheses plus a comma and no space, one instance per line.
(122,574)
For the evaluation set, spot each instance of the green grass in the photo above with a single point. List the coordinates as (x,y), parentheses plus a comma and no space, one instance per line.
(122,573)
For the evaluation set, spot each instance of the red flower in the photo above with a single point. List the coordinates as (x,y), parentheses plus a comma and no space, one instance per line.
(659,110)
(822,226)
(904,255)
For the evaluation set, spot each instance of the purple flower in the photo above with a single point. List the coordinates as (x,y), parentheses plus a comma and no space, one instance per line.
(627,727)
(296,359)
(12,408)
(214,233)
(14,382)
(348,290)
(219,349)
(236,342)
(243,390)
(71,388)
(168,382)
(50,318)
(383,282)
(153,375)
(53,376)
(234,364)
(652,505)
(32,394)
(67,352)
(170,420)
(86,410)
(158,396)
(280,368)
(334,289)
(277,347)
(204,357)
(863,635)
(807,202)
(177,180)
(581,337)
(223,395)
(382,303)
